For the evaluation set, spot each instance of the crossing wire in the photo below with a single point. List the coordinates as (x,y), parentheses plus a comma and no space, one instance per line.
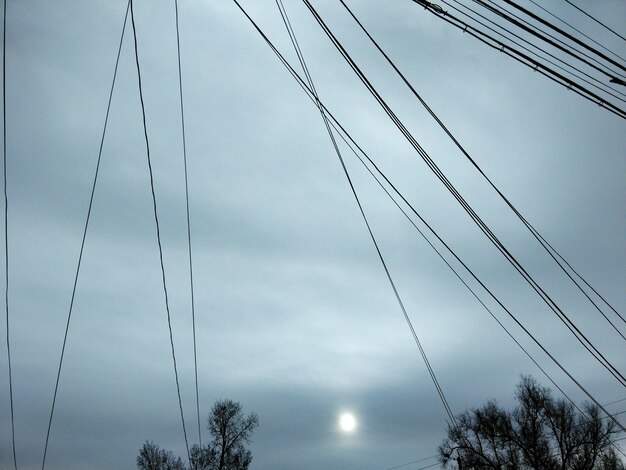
(554,76)
(540,35)
(406,464)
(431,372)
(349,141)
(6,222)
(193,304)
(521,58)
(526,223)
(82,244)
(564,33)
(347,138)
(597,21)
(577,72)
(158,232)
(536,31)
(336,123)
(577,30)
(578,334)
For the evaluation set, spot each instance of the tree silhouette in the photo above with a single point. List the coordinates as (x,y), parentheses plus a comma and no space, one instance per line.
(230,432)
(540,433)
(151,457)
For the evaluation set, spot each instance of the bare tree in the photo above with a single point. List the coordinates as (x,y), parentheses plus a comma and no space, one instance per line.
(152,457)
(230,432)
(540,433)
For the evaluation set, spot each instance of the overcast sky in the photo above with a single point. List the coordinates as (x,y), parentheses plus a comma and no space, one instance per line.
(295,317)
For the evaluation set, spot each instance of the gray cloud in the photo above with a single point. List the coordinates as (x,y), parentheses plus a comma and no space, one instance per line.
(295,317)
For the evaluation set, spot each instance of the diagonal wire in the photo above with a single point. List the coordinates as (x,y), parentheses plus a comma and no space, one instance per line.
(431,372)
(616,401)
(540,34)
(415,461)
(349,141)
(352,144)
(309,92)
(526,223)
(158,233)
(82,245)
(577,30)
(599,84)
(597,21)
(6,222)
(563,33)
(581,337)
(521,58)
(524,24)
(193,305)
(549,74)
(578,334)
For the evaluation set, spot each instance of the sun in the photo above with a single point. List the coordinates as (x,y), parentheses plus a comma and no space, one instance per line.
(347,422)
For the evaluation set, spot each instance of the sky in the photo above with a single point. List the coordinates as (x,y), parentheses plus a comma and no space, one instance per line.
(295,317)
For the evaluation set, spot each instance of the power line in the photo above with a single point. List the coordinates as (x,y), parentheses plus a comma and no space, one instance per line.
(420,468)
(594,19)
(6,221)
(536,31)
(82,244)
(352,144)
(616,401)
(158,233)
(309,92)
(564,33)
(406,464)
(527,224)
(294,41)
(193,307)
(600,85)
(521,58)
(578,334)
(577,30)
(541,35)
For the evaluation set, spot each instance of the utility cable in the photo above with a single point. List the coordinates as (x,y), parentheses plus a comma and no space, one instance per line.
(294,41)
(616,401)
(528,225)
(352,144)
(577,30)
(581,278)
(6,221)
(82,244)
(406,464)
(510,15)
(193,305)
(420,468)
(309,92)
(521,58)
(437,11)
(594,19)
(579,335)
(158,233)
(577,72)
(564,33)
(577,55)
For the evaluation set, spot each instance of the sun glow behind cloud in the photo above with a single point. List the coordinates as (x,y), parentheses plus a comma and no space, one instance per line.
(347,422)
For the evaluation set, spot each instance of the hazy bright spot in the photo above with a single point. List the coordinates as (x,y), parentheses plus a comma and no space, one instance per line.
(347,422)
